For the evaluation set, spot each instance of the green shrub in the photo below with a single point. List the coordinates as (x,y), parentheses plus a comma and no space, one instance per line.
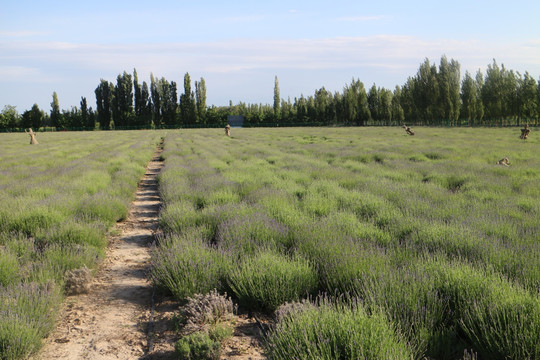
(27,314)
(57,259)
(267,280)
(197,346)
(500,319)
(28,221)
(188,267)
(334,331)
(220,332)
(9,268)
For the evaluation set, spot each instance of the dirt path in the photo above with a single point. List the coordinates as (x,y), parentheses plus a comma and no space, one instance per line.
(111,321)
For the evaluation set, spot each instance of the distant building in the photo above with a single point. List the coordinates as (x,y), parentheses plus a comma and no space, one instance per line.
(235,120)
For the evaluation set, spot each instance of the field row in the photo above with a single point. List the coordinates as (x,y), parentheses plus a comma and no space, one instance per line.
(418,246)
(59,200)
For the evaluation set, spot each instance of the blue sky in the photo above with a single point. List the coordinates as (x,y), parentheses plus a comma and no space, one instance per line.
(238,47)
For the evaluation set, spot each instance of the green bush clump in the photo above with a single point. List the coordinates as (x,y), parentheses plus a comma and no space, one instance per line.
(197,346)
(339,330)
(186,267)
(9,268)
(267,280)
(27,314)
(500,320)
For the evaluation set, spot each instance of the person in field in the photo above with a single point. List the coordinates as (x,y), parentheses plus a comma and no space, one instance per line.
(525,132)
(33,139)
(228,130)
(408,130)
(504,162)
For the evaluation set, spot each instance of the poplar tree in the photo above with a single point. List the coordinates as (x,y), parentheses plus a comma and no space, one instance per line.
(277,99)
(87,119)
(169,102)
(56,115)
(104,94)
(123,100)
(469,98)
(145,117)
(397,110)
(385,106)
(137,98)
(187,102)
(32,118)
(527,96)
(200,98)
(156,101)
(373,103)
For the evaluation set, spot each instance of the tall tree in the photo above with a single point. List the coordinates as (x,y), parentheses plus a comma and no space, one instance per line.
(355,106)
(9,118)
(469,97)
(123,100)
(385,106)
(527,97)
(449,89)
(373,102)
(426,92)
(104,96)
(138,101)
(156,101)
(277,99)
(187,103)
(87,118)
(56,115)
(479,78)
(33,118)
(397,110)
(145,117)
(200,99)
(169,102)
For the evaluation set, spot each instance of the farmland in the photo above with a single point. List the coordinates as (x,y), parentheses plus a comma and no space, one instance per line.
(380,245)
(59,200)
(410,246)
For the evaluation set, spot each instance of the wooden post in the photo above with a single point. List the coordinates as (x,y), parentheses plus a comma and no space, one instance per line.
(32,136)
(408,130)
(525,132)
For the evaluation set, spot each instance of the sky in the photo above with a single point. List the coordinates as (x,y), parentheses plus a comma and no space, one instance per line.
(240,46)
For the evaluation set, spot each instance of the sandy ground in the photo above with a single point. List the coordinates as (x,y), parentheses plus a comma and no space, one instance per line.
(121,317)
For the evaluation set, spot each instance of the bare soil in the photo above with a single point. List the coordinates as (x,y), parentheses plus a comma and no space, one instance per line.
(121,317)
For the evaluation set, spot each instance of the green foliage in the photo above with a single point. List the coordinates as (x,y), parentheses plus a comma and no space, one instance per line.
(431,234)
(335,331)
(267,280)
(28,313)
(197,346)
(188,267)
(58,199)
(9,268)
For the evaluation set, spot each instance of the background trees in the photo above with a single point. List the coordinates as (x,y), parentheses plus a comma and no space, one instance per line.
(435,96)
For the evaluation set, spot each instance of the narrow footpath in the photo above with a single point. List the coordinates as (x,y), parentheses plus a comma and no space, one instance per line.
(111,321)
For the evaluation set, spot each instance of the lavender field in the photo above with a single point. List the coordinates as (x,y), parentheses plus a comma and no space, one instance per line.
(360,242)
(58,201)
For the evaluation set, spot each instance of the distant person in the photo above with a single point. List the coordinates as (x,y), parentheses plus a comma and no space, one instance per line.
(525,132)
(32,136)
(228,130)
(408,130)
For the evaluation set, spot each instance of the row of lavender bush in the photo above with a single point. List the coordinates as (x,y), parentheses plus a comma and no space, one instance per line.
(427,234)
(59,198)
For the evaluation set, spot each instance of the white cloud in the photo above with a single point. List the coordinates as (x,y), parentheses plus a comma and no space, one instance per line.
(310,63)
(382,51)
(20,34)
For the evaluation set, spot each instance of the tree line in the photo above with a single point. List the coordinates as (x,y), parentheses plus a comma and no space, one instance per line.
(436,95)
